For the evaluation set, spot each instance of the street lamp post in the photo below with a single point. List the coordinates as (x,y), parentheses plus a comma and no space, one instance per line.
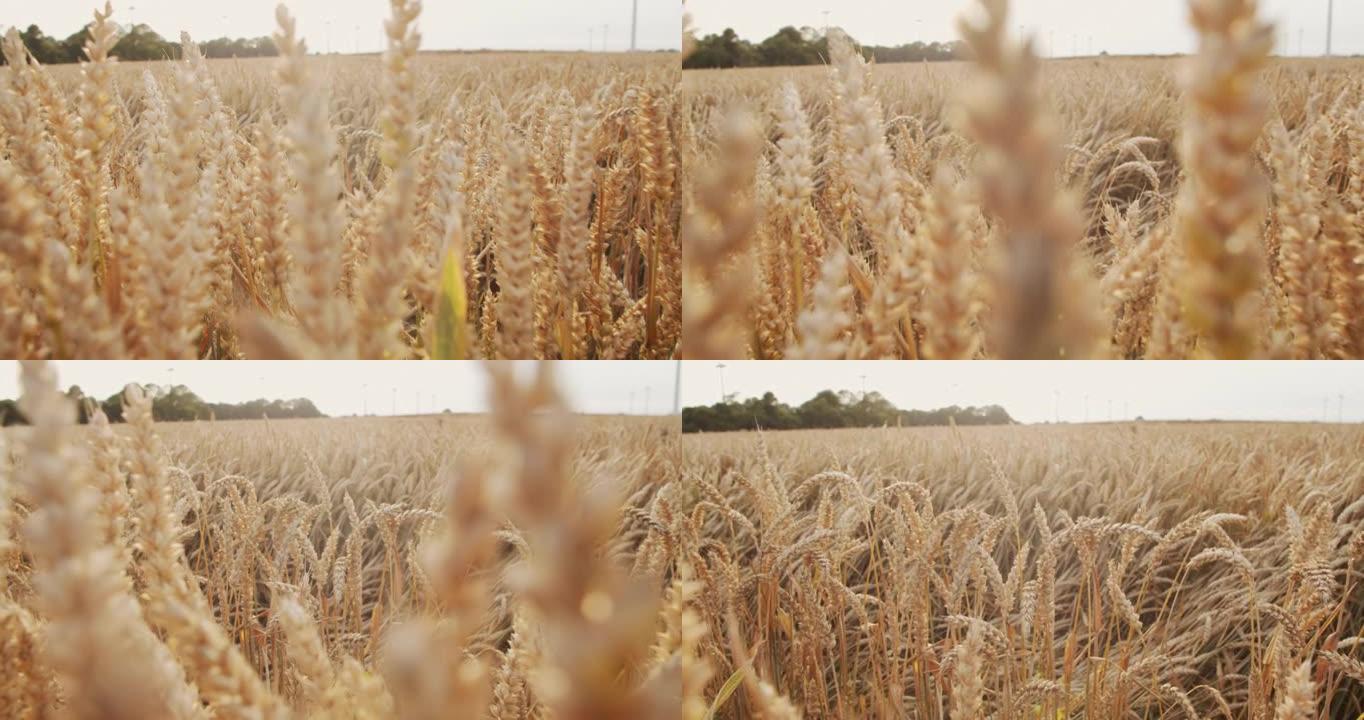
(721,368)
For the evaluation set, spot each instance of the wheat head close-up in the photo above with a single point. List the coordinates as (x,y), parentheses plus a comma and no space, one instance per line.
(866,553)
(990,202)
(407,204)
(510,564)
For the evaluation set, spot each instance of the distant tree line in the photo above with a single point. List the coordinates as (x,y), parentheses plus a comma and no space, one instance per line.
(806,46)
(175,404)
(830,409)
(139,42)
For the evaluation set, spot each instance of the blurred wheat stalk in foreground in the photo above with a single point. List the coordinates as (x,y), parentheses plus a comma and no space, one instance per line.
(503,567)
(1171,571)
(504,206)
(1014,209)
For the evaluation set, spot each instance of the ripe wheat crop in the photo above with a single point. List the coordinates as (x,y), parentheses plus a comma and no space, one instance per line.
(505,566)
(1106,571)
(1010,207)
(510,205)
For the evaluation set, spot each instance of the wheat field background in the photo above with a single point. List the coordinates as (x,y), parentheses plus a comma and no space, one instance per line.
(1130,570)
(409,205)
(514,565)
(1014,207)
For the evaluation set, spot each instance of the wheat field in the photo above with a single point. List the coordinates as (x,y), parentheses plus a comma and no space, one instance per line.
(409,205)
(1013,207)
(504,566)
(1132,570)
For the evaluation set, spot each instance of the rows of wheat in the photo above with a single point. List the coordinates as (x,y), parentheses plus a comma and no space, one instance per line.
(411,205)
(1129,570)
(504,566)
(1008,207)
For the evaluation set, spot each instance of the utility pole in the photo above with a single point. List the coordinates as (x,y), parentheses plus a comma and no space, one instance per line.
(1330,17)
(826,23)
(634,26)
(864,386)
(677,389)
(721,368)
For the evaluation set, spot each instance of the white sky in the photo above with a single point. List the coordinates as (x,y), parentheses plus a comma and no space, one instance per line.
(1174,390)
(339,387)
(444,24)
(1118,26)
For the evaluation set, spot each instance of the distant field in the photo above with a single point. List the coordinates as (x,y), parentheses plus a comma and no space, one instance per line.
(1120,570)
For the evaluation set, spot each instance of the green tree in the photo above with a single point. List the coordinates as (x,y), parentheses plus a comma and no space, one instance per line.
(46,50)
(725,50)
(143,43)
(788,47)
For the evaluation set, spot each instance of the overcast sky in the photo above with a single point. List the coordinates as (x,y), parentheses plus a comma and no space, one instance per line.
(1030,391)
(339,388)
(444,24)
(1118,26)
